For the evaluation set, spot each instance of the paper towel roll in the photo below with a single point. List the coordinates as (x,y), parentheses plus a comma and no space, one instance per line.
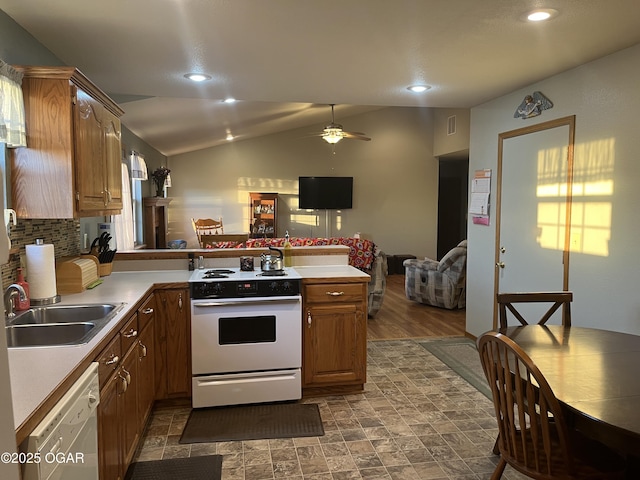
(41,271)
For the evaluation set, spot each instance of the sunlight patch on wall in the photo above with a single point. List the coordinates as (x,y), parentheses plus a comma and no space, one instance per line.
(308,219)
(592,189)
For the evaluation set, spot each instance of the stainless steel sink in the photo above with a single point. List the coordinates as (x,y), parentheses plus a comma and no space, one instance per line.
(59,325)
(49,334)
(64,314)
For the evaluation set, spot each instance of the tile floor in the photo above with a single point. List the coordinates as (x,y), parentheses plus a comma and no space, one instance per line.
(417,419)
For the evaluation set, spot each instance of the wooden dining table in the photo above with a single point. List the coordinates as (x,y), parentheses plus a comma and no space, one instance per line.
(595,374)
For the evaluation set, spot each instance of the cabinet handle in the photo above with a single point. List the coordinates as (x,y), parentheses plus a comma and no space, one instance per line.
(308,318)
(127,376)
(113,360)
(180,301)
(144,349)
(131,333)
(147,311)
(335,294)
(109,196)
(125,384)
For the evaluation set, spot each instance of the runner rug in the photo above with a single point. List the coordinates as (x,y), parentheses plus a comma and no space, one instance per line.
(253,422)
(461,355)
(208,467)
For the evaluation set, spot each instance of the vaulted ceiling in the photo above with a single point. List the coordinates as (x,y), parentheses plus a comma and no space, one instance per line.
(285,61)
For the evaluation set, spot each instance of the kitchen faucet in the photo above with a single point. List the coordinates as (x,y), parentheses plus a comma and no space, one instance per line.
(12,291)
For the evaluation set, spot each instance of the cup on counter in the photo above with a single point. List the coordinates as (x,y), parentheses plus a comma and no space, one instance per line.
(246,264)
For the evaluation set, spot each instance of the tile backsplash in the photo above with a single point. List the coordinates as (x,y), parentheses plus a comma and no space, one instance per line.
(64,234)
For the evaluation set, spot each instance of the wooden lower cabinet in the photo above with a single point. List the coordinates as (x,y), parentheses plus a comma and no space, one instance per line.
(127,391)
(146,374)
(173,343)
(109,451)
(334,336)
(129,398)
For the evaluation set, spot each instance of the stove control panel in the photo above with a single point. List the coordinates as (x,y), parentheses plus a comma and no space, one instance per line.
(245,288)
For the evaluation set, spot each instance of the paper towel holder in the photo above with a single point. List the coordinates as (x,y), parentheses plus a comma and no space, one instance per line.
(38,302)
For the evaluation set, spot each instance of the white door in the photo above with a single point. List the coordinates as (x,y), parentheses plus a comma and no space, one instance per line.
(534,174)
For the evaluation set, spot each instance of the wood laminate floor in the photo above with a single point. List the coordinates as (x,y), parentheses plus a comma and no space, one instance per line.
(400,317)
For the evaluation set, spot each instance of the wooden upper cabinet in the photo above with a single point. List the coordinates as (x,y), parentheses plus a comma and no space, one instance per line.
(71,165)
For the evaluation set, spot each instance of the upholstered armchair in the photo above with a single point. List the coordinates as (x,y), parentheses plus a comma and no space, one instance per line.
(378,283)
(441,284)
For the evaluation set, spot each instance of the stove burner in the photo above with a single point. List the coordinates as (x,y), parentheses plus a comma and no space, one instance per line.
(217,273)
(214,275)
(273,273)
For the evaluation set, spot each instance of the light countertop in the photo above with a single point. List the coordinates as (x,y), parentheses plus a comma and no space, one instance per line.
(331,271)
(37,372)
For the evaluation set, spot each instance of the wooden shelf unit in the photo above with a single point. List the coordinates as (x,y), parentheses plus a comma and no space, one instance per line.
(264,215)
(156,221)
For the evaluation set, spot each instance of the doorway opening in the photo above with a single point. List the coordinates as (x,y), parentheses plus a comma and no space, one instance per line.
(453,181)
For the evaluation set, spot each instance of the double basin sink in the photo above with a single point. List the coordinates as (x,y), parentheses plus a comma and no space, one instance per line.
(59,325)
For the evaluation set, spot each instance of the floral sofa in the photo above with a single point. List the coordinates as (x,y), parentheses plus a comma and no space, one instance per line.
(363,255)
(440,284)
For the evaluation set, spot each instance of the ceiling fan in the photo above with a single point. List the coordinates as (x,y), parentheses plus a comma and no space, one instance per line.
(334,132)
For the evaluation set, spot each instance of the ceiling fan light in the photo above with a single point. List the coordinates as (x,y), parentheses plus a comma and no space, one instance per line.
(332,135)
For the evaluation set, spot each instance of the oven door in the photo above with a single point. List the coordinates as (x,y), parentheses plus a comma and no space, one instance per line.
(246,334)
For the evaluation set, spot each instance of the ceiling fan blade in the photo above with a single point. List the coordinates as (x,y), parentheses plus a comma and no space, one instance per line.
(356,136)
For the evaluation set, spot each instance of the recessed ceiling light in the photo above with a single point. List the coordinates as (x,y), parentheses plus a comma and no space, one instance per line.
(229,137)
(229,100)
(198,77)
(541,14)
(418,88)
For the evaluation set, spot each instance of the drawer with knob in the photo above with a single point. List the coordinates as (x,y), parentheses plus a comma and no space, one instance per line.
(334,292)
(109,360)
(129,334)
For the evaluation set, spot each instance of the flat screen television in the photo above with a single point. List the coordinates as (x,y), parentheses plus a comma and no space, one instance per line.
(325,193)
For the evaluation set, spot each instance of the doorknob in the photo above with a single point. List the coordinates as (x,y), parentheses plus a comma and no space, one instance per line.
(500,264)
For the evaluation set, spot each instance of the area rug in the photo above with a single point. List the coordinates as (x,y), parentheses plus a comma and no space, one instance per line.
(208,467)
(253,422)
(461,355)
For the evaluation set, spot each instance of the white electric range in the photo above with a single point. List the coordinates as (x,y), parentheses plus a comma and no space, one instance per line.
(246,336)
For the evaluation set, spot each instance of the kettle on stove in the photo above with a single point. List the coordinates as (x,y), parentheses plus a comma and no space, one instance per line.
(272,263)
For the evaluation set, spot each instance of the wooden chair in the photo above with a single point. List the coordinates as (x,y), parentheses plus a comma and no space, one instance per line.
(207,226)
(557,299)
(533,434)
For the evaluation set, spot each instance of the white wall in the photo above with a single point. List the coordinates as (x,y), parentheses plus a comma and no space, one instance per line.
(445,143)
(603,276)
(395,181)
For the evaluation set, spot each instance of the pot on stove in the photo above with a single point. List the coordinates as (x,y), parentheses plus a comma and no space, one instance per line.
(272,263)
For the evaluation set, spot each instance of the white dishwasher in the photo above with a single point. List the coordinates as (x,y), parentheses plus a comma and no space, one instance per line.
(65,444)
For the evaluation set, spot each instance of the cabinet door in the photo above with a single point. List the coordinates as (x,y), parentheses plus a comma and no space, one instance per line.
(113,160)
(173,359)
(146,375)
(334,338)
(109,443)
(89,153)
(129,399)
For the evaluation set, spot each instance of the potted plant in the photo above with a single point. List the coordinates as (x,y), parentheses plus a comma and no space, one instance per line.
(159,176)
